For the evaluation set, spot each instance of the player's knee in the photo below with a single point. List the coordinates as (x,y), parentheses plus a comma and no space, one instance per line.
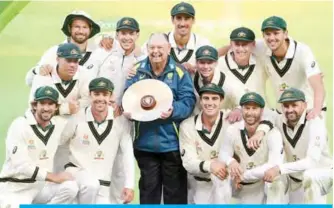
(69,189)
(91,186)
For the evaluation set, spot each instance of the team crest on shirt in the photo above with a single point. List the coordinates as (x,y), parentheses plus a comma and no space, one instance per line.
(90,66)
(31,144)
(85,140)
(250,165)
(169,79)
(43,155)
(99,155)
(283,87)
(213,154)
(313,64)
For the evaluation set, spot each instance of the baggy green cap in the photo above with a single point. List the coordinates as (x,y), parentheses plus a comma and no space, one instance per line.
(127,23)
(242,34)
(291,95)
(46,92)
(69,50)
(183,8)
(207,52)
(252,97)
(101,83)
(274,22)
(95,28)
(212,88)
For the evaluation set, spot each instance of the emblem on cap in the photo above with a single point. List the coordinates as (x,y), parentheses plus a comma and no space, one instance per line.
(48,92)
(101,84)
(181,8)
(74,52)
(289,94)
(251,96)
(241,35)
(270,22)
(126,22)
(206,52)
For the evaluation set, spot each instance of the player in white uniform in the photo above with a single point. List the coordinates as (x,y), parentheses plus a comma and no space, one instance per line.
(183,42)
(200,141)
(94,137)
(246,166)
(115,65)
(290,63)
(309,166)
(244,71)
(79,28)
(208,72)
(71,82)
(32,140)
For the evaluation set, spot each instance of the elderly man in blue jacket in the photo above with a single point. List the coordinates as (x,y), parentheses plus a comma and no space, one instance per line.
(156,143)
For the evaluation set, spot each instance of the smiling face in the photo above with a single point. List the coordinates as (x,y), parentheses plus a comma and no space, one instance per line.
(100,100)
(293,110)
(210,103)
(80,30)
(275,38)
(242,50)
(206,67)
(127,38)
(183,24)
(251,113)
(158,48)
(45,109)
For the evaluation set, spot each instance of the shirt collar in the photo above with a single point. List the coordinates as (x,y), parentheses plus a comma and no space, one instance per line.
(291,49)
(199,125)
(91,45)
(234,65)
(89,115)
(189,46)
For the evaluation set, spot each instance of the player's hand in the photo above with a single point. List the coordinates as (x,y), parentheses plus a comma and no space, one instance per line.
(313,113)
(59,177)
(255,141)
(74,106)
(45,70)
(235,169)
(234,115)
(127,195)
(271,174)
(131,73)
(107,43)
(218,169)
(190,68)
(236,183)
(165,115)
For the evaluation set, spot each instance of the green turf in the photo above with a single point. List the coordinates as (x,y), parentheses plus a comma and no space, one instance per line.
(37,27)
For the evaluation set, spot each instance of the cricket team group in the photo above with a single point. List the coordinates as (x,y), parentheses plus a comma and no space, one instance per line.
(219,142)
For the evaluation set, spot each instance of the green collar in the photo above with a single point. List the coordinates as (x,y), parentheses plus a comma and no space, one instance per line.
(45,128)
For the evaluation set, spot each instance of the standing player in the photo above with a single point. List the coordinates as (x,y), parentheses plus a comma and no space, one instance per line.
(31,144)
(207,72)
(78,28)
(72,84)
(309,165)
(291,64)
(246,166)
(95,136)
(183,42)
(200,141)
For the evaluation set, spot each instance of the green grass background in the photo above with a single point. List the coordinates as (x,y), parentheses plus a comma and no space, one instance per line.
(36,27)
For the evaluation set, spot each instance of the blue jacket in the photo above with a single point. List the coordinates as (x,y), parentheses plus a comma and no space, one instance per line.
(162,135)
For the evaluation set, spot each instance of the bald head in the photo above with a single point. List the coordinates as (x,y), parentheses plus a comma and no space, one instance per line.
(158,47)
